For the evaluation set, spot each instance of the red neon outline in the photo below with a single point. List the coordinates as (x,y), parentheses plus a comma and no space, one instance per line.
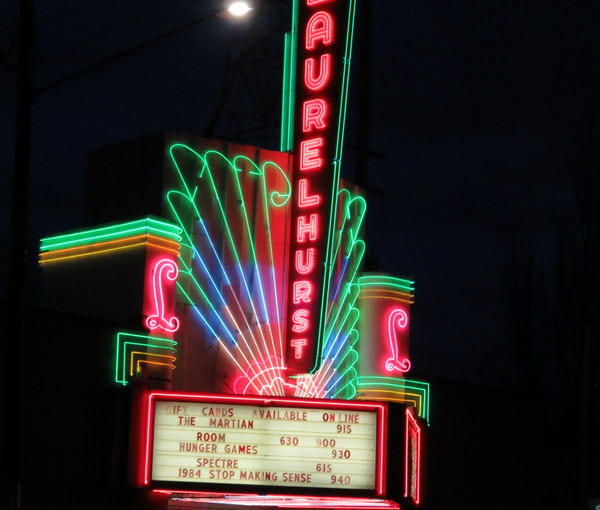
(149,437)
(397,318)
(317,83)
(319,27)
(304,199)
(314,112)
(380,408)
(411,421)
(286,500)
(382,453)
(164,269)
(306,266)
(316,2)
(310,153)
(137,448)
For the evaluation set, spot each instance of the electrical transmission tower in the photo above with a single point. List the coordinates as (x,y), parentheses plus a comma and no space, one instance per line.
(249,109)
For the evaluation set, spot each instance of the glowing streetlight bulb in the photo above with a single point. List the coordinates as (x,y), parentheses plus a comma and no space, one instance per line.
(239,8)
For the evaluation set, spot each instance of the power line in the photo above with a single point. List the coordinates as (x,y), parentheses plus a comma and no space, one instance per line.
(128,22)
(126,53)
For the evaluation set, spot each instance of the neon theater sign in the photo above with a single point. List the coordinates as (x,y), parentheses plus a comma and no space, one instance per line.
(217,440)
(236,293)
(320,88)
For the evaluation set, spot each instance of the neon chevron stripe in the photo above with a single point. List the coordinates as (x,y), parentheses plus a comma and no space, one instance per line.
(396,389)
(128,343)
(98,248)
(145,226)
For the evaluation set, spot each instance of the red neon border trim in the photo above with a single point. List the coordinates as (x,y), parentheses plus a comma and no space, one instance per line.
(411,422)
(274,501)
(379,407)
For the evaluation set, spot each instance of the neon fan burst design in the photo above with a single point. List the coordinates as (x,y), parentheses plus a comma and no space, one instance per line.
(235,216)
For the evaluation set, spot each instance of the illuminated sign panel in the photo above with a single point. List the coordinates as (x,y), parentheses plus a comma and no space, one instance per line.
(320,105)
(384,303)
(212,441)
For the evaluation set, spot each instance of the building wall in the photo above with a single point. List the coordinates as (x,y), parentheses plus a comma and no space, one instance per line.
(486,449)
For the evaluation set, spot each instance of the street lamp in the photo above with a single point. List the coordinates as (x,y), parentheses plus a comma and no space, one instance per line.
(239,8)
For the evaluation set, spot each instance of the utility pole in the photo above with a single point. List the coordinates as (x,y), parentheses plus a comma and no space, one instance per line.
(10,463)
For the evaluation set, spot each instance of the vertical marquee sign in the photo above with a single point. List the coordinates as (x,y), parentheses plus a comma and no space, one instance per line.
(324,35)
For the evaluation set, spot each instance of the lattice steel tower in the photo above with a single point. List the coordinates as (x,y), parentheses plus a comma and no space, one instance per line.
(249,109)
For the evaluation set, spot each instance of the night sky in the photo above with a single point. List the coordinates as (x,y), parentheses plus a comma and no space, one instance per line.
(477,115)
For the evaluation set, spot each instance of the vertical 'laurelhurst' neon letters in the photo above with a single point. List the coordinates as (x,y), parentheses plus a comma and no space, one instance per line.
(305,260)
(304,198)
(319,30)
(314,114)
(298,345)
(316,83)
(300,320)
(320,61)
(310,154)
(302,291)
(307,228)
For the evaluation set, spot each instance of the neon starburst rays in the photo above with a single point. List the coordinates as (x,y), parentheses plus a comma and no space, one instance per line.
(234,213)
(337,373)
(234,217)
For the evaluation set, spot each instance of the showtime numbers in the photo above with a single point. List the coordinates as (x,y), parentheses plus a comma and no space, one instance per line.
(340,479)
(341,454)
(289,441)
(326,443)
(343,428)
(323,468)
